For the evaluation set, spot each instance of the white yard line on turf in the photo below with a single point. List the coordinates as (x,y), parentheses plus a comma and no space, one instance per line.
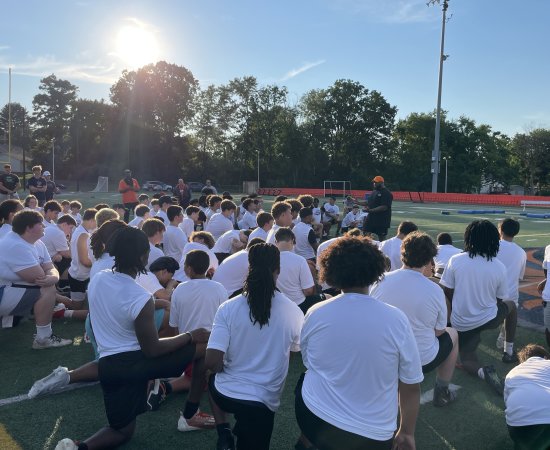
(23,397)
(51,437)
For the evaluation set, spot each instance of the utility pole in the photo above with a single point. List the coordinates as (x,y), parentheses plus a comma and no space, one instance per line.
(442,58)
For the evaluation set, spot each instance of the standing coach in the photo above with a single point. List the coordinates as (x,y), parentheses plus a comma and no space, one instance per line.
(378,206)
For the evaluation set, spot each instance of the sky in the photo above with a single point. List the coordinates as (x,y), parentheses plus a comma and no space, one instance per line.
(497,72)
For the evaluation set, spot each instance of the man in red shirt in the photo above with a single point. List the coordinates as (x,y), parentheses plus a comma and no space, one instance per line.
(128,187)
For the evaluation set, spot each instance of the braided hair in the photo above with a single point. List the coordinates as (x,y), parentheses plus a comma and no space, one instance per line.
(259,286)
(101,236)
(130,247)
(481,238)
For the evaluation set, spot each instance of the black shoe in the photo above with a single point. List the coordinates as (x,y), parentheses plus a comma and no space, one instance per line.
(510,359)
(157,395)
(443,396)
(493,380)
(225,442)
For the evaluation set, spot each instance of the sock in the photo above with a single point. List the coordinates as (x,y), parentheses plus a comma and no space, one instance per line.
(480,373)
(43,332)
(441,383)
(223,429)
(190,409)
(509,347)
(68,313)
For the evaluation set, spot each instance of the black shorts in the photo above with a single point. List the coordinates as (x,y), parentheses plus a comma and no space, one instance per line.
(63,265)
(445,348)
(222,256)
(77,285)
(253,420)
(530,437)
(310,301)
(469,340)
(124,378)
(325,435)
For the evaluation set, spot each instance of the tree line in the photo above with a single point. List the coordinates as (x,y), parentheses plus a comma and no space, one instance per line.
(162,125)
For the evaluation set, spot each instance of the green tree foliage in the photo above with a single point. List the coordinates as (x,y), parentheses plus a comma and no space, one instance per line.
(530,154)
(20,125)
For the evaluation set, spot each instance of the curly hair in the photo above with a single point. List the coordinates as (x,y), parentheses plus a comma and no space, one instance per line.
(351,262)
(481,238)
(531,350)
(101,237)
(417,249)
(130,247)
(259,287)
(280,208)
(206,237)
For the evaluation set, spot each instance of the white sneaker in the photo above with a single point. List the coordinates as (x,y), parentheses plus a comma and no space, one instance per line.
(500,342)
(56,380)
(66,444)
(50,342)
(200,421)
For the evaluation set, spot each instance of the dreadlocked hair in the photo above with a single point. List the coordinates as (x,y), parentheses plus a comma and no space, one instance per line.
(259,286)
(130,247)
(481,238)
(101,236)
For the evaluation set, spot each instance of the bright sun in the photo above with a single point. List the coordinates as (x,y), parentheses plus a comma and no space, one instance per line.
(136,46)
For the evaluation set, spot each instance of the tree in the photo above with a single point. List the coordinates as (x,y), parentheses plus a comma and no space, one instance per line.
(20,125)
(530,155)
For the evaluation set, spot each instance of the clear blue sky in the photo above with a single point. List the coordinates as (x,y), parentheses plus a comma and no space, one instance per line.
(498,71)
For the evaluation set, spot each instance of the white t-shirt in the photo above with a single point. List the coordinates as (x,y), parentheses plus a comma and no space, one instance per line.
(392,249)
(16,255)
(356,349)
(248,221)
(115,301)
(232,272)
(135,222)
(477,283)
(224,243)
(258,233)
(514,259)
(187,226)
(194,304)
(294,277)
(77,270)
(104,262)
(270,239)
(174,241)
(149,282)
(4,230)
(527,393)
(422,301)
(154,254)
(546,265)
(55,240)
(303,233)
(350,217)
(322,247)
(444,253)
(331,209)
(218,225)
(77,217)
(162,214)
(256,359)
(180,273)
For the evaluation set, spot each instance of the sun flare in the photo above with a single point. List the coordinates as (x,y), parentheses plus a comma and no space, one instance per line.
(136,46)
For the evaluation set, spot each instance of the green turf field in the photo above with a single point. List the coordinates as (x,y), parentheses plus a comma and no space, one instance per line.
(476,420)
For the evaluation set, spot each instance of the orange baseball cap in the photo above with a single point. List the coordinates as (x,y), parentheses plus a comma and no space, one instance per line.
(378,179)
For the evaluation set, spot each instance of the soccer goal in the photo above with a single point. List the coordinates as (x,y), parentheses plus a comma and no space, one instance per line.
(336,188)
(102,185)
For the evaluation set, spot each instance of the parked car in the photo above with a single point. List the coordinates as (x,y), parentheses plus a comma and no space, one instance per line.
(196,186)
(156,186)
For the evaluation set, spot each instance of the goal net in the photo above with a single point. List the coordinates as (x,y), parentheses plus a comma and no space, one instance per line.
(102,185)
(336,188)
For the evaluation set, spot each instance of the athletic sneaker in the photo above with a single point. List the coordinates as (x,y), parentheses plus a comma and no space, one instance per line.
(510,359)
(443,396)
(200,421)
(500,342)
(157,395)
(50,342)
(66,444)
(56,380)
(493,380)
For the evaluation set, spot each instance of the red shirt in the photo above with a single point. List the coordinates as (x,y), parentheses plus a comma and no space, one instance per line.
(128,196)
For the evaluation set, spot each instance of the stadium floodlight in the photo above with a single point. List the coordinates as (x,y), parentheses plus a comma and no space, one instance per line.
(442,57)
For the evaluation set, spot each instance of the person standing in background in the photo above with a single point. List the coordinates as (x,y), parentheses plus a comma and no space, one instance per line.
(51,187)
(37,185)
(183,193)
(128,187)
(379,208)
(9,183)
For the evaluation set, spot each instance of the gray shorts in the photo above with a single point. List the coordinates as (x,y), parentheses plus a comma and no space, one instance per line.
(18,301)
(546,312)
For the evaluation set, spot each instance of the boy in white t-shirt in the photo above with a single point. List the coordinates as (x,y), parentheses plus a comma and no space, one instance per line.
(281,212)
(445,249)
(141,213)
(219,223)
(174,239)
(475,283)
(75,207)
(249,217)
(392,247)
(353,219)
(331,216)
(423,302)
(309,202)
(265,221)
(154,230)
(57,240)
(514,259)
(191,220)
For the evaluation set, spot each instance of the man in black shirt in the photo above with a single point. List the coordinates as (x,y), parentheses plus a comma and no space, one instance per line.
(51,187)
(379,208)
(37,185)
(9,183)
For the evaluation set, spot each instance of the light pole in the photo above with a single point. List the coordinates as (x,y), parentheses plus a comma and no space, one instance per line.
(258,164)
(53,159)
(446,159)
(442,57)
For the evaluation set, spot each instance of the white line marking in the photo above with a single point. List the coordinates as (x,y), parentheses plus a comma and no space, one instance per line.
(50,439)
(23,397)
